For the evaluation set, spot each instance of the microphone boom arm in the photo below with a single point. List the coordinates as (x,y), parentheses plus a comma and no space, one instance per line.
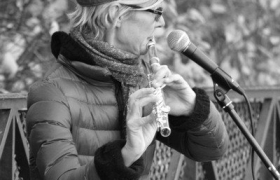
(225,103)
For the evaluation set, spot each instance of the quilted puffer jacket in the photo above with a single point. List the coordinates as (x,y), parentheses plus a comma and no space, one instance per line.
(73,127)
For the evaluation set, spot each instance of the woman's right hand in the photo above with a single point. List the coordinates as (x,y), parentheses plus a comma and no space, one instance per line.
(140,130)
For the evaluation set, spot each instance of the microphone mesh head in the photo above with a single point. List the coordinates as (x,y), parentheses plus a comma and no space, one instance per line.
(178,40)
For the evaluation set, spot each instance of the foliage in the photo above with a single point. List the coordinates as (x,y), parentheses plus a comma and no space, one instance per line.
(26,28)
(242,37)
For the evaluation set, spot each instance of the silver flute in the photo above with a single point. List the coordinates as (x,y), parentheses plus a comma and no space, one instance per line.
(160,109)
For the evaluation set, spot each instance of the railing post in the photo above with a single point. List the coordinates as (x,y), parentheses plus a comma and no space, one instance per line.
(7,145)
(175,165)
(14,151)
(21,149)
(210,170)
(265,137)
(191,170)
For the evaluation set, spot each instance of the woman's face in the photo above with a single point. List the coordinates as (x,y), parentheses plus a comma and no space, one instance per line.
(136,30)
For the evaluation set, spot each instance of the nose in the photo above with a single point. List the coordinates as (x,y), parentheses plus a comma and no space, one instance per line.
(160,23)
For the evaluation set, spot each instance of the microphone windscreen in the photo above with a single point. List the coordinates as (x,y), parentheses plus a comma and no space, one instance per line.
(178,40)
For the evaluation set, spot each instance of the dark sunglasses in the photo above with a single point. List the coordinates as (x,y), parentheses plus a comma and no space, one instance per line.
(158,12)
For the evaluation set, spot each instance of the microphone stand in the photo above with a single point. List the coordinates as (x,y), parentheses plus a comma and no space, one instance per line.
(226,104)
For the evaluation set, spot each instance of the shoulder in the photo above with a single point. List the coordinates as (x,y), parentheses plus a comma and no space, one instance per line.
(44,90)
(52,86)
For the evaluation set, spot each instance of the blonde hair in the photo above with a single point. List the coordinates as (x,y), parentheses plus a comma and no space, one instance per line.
(93,19)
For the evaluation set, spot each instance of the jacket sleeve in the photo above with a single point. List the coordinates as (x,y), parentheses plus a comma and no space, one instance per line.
(53,153)
(202,136)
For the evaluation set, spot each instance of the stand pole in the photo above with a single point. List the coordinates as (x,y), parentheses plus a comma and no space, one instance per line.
(226,104)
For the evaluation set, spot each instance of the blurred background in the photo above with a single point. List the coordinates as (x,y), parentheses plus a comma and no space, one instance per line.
(242,37)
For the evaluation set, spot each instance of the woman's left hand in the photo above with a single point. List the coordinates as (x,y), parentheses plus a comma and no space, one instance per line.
(178,94)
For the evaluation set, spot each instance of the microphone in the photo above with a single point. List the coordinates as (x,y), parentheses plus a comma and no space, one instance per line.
(179,41)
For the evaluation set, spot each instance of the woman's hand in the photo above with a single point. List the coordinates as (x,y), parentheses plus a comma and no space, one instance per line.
(178,95)
(140,130)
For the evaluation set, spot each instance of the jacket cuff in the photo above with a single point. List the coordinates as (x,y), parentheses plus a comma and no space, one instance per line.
(110,165)
(200,113)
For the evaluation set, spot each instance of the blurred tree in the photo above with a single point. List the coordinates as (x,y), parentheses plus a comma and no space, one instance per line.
(26,27)
(242,37)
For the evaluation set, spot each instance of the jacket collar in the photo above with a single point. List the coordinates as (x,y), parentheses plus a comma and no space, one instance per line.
(89,73)
(70,53)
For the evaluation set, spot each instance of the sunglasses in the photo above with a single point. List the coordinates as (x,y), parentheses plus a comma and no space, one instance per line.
(158,12)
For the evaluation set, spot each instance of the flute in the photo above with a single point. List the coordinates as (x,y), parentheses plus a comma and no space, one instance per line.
(160,109)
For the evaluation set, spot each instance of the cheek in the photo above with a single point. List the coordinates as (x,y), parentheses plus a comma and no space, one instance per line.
(138,31)
(134,37)
(135,34)
(143,28)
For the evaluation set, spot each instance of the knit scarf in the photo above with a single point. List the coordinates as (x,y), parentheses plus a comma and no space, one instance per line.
(124,67)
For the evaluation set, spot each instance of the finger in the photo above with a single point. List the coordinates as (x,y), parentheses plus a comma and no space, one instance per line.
(174,78)
(162,73)
(149,119)
(136,123)
(141,93)
(153,98)
(133,104)
(155,66)
(135,108)
(176,81)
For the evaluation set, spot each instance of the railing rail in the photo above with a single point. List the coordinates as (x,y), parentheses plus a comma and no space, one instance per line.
(168,164)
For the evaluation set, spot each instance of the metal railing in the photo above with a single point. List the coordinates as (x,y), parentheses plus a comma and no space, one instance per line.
(14,150)
(235,165)
(168,164)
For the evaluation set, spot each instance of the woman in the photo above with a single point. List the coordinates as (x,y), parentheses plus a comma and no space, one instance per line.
(91,115)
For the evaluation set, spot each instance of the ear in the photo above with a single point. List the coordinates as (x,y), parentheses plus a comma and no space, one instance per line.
(113,18)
